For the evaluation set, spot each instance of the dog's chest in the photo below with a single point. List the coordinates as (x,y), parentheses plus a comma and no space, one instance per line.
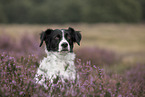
(58,64)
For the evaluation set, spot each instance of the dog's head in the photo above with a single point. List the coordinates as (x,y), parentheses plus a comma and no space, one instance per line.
(60,39)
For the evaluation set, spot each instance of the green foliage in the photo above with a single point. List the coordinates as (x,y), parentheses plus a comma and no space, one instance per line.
(2,15)
(107,94)
(64,11)
(112,11)
(142,2)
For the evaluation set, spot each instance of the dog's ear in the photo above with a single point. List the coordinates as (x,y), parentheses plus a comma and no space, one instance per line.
(44,35)
(76,36)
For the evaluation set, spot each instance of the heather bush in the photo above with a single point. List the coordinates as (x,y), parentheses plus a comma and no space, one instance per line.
(136,76)
(16,74)
(19,60)
(97,56)
(25,45)
(6,43)
(17,79)
(29,44)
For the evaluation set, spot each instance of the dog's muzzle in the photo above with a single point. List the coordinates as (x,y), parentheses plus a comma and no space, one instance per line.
(64,46)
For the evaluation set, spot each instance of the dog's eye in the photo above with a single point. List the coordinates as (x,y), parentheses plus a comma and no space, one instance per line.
(57,38)
(68,37)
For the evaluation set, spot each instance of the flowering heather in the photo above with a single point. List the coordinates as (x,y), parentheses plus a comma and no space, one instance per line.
(30,45)
(17,75)
(136,76)
(19,61)
(20,47)
(97,56)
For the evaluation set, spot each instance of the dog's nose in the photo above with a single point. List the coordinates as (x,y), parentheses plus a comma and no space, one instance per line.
(64,45)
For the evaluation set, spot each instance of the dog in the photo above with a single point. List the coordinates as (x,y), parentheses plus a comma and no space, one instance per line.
(60,57)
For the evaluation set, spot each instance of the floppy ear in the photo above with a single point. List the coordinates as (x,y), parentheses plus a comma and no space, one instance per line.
(75,35)
(43,36)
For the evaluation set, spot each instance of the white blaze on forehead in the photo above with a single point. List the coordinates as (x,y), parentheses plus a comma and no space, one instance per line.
(63,41)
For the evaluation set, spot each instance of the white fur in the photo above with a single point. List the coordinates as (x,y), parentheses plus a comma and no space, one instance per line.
(63,41)
(54,65)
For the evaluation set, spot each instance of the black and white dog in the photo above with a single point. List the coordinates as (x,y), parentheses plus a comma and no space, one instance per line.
(60,56)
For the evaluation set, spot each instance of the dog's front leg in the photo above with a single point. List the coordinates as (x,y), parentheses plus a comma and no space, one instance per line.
(40,78)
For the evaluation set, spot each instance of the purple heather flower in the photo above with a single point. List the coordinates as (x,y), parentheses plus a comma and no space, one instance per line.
(120,95)
(21,93)
(95,66)
(13,81)
(101,95)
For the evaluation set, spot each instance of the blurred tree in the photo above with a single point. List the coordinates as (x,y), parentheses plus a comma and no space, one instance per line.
(72,11)
(3,18)
(142,2)
(17,11)
(111,11)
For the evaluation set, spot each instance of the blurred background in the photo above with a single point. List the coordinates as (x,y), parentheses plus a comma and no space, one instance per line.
(115,25)
(72,11)
(113,32)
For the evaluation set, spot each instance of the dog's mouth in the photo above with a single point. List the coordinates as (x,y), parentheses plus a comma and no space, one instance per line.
(64,50)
